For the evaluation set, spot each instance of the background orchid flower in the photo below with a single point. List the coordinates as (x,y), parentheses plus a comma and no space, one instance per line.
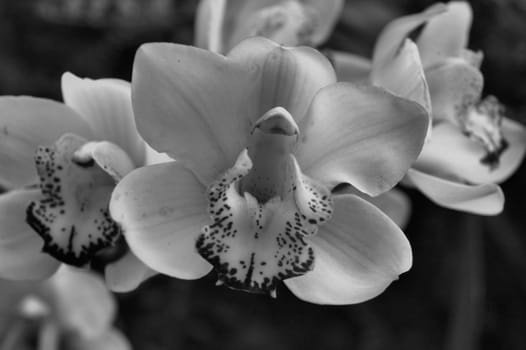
(71,310)
(82,148)
(473,147)
(261,137)
(222,24)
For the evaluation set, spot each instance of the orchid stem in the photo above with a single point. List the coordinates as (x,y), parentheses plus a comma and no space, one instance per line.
(467,306)
(48,337)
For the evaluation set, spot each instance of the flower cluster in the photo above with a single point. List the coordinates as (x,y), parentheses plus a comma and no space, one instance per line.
(255,155)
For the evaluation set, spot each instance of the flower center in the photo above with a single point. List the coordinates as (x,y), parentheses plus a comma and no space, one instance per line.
(262,210)
(72,215)
(290,22)
(482,123)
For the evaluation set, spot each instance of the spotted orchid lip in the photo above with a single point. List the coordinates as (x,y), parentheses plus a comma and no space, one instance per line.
(263,210)
(72,215)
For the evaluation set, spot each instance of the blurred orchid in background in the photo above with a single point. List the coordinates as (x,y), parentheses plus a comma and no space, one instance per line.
(261,137)
(222,24)
(83,147)
(72,310)
(472,146)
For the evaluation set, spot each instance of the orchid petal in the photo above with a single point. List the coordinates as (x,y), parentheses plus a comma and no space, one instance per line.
(327,14)
(154,157)
(127,273)
(454,86)
(359,252)
(111,340)
(395,203)
(450,153)
(445,35)
(25,123)
(361,135)
(105,104)
(21,256)
(349,67)
(161,219)
(404,76)
(485,199)
(82,301)
(189,102)
(394,34)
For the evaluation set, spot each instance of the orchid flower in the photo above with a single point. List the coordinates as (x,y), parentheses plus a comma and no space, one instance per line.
(261,137)
(80,149)
(473,146)
(71,310)
(222,24)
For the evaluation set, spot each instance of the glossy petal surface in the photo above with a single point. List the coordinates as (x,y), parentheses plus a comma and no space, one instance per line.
(358,253)
(162,218)
(361,135)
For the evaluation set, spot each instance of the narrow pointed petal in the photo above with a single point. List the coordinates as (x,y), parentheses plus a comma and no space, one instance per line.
(394,34)
(162,209)
(21,256)
(454,85)
(404,76)
(450,153)
(358,253)
(447,34)
(349,67)
(105,104)
(361,135)
(82,301)
(26,123)
(485,199)
(111,340)
(127,273)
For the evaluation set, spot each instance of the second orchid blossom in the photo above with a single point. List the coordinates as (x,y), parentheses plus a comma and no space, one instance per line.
(261,137)
(473,146)
(58,211)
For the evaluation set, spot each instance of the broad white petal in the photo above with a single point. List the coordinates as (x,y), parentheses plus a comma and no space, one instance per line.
(485,199)
(21,256)
(450,153)
(82,301)
(105,104)
(162,209)
(358,253)
(361,135)
(447,34)
(25,124)
(127,273)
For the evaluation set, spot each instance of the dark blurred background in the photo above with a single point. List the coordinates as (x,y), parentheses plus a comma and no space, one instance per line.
(467,287)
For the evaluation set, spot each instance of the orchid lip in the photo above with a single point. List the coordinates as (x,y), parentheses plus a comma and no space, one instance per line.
(72,215)
(483,124)
(263,209)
